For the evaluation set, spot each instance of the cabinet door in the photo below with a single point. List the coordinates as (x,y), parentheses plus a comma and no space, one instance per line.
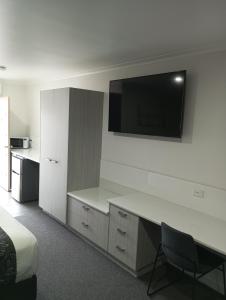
(54,152)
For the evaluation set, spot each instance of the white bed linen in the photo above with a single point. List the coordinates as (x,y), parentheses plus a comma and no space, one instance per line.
(25,245)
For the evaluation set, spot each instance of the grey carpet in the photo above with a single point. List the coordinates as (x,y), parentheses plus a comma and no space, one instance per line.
(71,269)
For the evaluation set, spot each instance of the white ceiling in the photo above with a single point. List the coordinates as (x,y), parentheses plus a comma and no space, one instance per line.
(60,38)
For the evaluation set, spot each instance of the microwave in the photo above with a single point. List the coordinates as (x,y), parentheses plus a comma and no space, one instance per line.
(20,142)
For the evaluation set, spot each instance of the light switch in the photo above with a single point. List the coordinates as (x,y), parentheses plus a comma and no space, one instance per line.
(198,193)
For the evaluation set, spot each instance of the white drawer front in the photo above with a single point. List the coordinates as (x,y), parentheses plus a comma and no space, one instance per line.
(123,236)
(98,227)
(122,217)
(89,222)
(16,165)
(77,217)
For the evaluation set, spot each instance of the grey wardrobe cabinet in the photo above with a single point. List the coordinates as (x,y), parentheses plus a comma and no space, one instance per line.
(71,134)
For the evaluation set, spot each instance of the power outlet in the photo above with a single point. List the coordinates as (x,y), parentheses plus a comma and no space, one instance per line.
(198,193)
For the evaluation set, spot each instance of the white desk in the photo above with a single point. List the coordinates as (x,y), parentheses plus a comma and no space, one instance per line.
(28,153)
(107,213)
(205,229)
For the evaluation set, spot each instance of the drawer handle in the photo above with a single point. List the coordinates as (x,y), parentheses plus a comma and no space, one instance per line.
(120,249)
(85,225)
(122,214)
(121,231)
(85,207)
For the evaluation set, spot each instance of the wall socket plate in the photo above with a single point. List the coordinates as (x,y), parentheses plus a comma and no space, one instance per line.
(198,193)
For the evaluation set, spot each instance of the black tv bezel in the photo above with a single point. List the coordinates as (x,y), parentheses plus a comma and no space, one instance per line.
(182,106)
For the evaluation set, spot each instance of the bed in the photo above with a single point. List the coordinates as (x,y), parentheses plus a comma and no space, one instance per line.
(25,249)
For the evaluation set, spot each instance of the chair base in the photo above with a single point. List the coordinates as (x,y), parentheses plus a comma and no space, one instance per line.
(195,277)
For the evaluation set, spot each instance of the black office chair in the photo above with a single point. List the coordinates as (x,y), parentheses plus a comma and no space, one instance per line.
(180,250)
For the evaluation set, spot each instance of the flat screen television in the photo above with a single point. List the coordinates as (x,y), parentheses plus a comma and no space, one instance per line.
(148,105)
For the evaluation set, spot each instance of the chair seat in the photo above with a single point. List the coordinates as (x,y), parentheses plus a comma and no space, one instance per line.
(208,260)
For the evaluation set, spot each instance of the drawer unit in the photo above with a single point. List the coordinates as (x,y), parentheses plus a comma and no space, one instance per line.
(88,221)
(123,235)
(128,240)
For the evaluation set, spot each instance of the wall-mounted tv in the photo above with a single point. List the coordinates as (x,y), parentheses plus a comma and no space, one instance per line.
(148,105)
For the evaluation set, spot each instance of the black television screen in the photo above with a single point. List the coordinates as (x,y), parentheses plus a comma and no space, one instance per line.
(148,105)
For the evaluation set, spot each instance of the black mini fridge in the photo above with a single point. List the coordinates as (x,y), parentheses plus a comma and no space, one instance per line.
(24,179)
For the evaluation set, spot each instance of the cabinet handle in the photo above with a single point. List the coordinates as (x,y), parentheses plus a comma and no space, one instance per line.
(49,159)
(52,160)
(122,214)
(85,207)
(121,231)
(85,225)
(120,249)
(15,172)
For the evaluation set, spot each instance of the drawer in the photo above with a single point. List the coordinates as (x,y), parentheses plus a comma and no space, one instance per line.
(123,236)
(98,225)
(123,218)
(16,165)
(77,217)
(89,222)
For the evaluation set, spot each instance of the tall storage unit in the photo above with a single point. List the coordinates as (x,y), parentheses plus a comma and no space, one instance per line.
(71,133)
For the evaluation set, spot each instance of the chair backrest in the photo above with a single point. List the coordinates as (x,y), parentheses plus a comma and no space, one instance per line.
(179,248)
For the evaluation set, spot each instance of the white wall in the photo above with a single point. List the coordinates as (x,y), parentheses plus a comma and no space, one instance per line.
(17,93)
(33,96)
(1,87)
(200,156)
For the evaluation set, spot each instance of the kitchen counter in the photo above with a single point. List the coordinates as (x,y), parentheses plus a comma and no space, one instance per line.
(30,153)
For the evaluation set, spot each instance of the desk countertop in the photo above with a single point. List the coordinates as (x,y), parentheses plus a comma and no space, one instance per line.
(205,229)
(95,197)
(30,153)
